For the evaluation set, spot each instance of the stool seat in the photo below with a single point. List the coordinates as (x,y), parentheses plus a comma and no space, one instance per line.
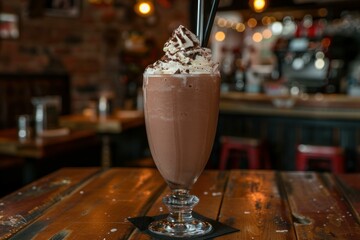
(333,154)
(252,147)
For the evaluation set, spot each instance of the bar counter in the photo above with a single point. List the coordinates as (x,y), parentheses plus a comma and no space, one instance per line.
(285,121)
(89,203)
(325,106)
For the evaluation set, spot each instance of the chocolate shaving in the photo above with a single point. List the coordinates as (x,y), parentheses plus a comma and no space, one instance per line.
(181,49)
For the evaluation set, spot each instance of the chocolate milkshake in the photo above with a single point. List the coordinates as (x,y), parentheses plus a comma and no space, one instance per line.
(181,116)
(181,103)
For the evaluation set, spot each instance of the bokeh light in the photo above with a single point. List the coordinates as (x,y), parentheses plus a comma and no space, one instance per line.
(220,36)
(257,37)
(144,8)
(267,33)
(252,22)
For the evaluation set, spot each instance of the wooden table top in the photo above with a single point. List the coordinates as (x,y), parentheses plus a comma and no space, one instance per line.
(40,147)
(115,123)
(89,203)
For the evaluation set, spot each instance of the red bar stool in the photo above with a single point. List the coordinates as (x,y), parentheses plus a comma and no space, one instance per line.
(307,153)
(253,148)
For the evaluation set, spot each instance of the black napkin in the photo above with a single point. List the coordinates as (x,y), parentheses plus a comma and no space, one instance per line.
(219,229)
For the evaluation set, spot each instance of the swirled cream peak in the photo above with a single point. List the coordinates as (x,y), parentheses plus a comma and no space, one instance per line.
(183,54)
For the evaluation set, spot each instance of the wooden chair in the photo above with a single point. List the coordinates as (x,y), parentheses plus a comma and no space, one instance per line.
(333,154)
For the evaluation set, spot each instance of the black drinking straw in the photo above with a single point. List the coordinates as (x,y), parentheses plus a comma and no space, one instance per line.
(210,22)
(200,21)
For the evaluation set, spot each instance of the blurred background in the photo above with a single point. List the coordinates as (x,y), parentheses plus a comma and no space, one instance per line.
(104,45)
(290,71)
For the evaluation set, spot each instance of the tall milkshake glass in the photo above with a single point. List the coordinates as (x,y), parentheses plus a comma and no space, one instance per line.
(181,112)
(181,104)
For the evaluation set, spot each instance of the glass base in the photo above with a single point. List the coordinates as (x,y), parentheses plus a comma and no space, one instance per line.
(180,222)
(189,229)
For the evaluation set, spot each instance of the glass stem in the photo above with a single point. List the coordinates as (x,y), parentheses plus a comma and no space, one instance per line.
(180,205)
(180,222)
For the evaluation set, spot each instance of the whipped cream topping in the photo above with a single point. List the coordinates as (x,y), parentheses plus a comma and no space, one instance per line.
(183,54)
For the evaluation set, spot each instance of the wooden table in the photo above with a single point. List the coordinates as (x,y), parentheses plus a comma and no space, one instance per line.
(42,147)
(105,126)
(90,203)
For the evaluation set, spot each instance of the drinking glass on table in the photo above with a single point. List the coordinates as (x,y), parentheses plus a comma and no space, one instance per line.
(181,112)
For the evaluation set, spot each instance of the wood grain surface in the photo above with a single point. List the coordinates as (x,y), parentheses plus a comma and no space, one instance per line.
(27,204)
(88,203)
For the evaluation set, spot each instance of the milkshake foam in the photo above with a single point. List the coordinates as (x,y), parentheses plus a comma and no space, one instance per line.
(183,54)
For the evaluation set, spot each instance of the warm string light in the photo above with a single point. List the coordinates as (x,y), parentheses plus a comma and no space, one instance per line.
(271,27)
(258,5)
(220,36)
(144,8)
(251,23)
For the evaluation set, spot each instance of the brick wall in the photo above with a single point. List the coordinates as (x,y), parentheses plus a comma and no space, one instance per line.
(88,46)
